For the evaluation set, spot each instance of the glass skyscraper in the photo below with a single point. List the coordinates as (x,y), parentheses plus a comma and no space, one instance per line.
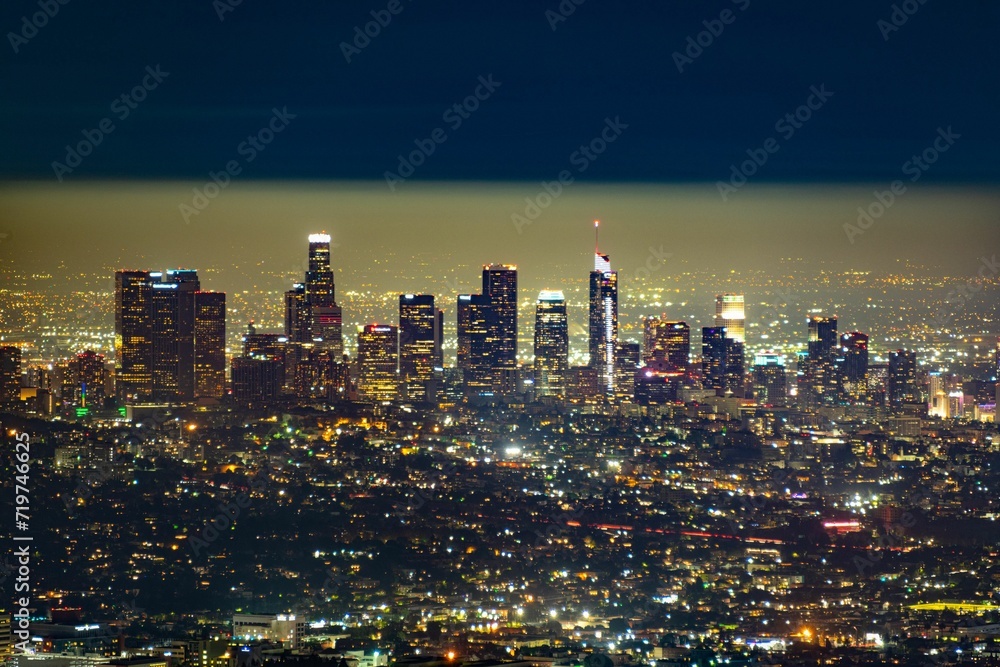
(551,344)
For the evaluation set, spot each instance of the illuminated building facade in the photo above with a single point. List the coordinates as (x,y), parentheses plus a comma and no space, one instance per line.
(133,336)
(819,377)
(10,375)
(324,315)
(667,341)
(903,387)
(473,344)
(603,321)
(378,360)
(551,344)
(769,380)
(730,314)
(852,362)
(209,344)
(628,357)
(722,363)
(419,344)
(500,286)
(86,375)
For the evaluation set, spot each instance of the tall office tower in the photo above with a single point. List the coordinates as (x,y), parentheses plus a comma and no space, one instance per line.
(769,379)
(297,315)
(473,344)
(86,380)
(722,362)
(172,306)
(325,316)
(500,285)
(628,357)
(730,314)
(439,339)
(551,344)
(819,377)
(878,384)
(10,375)
(133,336)
(257,380)
(903,378)
(667,341)
(418,344)
(603,319)
(713,358)
(736,379)
(938,403)
(209,344)
(852,362)
(377,362)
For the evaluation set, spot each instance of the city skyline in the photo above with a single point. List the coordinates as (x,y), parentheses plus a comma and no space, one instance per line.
(504,334)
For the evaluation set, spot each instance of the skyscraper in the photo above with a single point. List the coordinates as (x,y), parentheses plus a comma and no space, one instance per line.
(377,362)
(551,344)
(713,357)
(297,315)
(722,362)
(819,376)
(419,343)
(852,362)
(603,319)
(325,316)
(133,336)
(172,306)
(257,380)
(86,380)
(628,355)
(730,314)
(903,378)
(474,359)
(10,375)
(769,379)
(157,354)
(209,344)
(500,286)
(667,341)
(938,403)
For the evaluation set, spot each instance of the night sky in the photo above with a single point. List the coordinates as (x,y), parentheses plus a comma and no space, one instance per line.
(557,87)
(606,68)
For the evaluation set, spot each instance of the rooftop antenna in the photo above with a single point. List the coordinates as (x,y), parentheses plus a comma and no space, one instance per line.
(597,229)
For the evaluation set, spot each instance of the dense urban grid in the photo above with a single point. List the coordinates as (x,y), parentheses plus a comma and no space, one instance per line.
(220,492)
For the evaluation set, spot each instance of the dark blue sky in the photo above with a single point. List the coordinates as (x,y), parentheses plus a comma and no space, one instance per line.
(608,59)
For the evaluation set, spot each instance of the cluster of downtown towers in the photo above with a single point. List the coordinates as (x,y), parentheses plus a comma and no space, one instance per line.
(170,347)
